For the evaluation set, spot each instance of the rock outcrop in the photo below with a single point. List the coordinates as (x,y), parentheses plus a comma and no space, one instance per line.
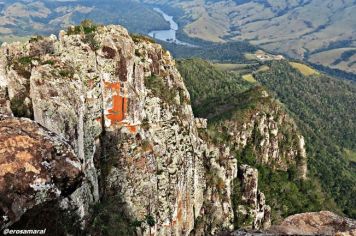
(315,223)
(36,167)
(263,127)
(123,107)
(312,223)
(4,96)
(251,210)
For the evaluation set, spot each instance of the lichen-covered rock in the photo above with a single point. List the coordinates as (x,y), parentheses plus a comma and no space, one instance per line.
(17,66)
(201,123)
(122,105)
(311,223)
(36,167)
(4,96)
(251,211)
(217,214)
(4,101)
(315,223)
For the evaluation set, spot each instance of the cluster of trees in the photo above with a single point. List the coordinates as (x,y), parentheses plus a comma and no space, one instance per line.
(288,195)
(345,56)
(335,72)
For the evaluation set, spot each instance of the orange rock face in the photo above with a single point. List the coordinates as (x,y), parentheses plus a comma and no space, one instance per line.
(119,104)
(118,112)
(35,167)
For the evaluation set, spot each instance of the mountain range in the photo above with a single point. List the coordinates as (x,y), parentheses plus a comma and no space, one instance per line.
(321,32)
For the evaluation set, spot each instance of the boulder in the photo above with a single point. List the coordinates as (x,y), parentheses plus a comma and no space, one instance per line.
(315,223)
(36,167)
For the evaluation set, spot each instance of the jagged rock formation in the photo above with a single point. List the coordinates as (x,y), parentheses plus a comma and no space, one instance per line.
(122,105)
(4,102)
(263,127)
(36,167)
(251,211)
(16,79)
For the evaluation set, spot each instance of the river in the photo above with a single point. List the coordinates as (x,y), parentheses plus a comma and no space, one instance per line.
(167,35)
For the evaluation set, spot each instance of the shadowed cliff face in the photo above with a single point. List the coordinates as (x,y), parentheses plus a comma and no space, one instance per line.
(122,105)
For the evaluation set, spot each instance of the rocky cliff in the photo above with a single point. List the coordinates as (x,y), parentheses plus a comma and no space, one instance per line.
(261,132)
(251,210)
(121,104)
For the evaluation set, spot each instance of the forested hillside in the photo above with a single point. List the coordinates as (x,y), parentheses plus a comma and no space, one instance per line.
(324,109)
(212,91)
(227,52)
(232,100)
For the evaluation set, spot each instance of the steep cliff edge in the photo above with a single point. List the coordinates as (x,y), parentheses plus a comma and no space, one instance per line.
(122,105)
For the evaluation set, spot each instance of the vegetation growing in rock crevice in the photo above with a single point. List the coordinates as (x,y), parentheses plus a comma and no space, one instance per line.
(236,200)
(137,38)
(160,89)
(87,28)
(20,108)
(36,38)
(23,66)
(67,71)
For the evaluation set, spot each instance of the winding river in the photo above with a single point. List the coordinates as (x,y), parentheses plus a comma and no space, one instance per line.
(167,35)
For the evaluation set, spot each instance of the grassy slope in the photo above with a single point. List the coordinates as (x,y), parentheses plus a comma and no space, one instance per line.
(304,69)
